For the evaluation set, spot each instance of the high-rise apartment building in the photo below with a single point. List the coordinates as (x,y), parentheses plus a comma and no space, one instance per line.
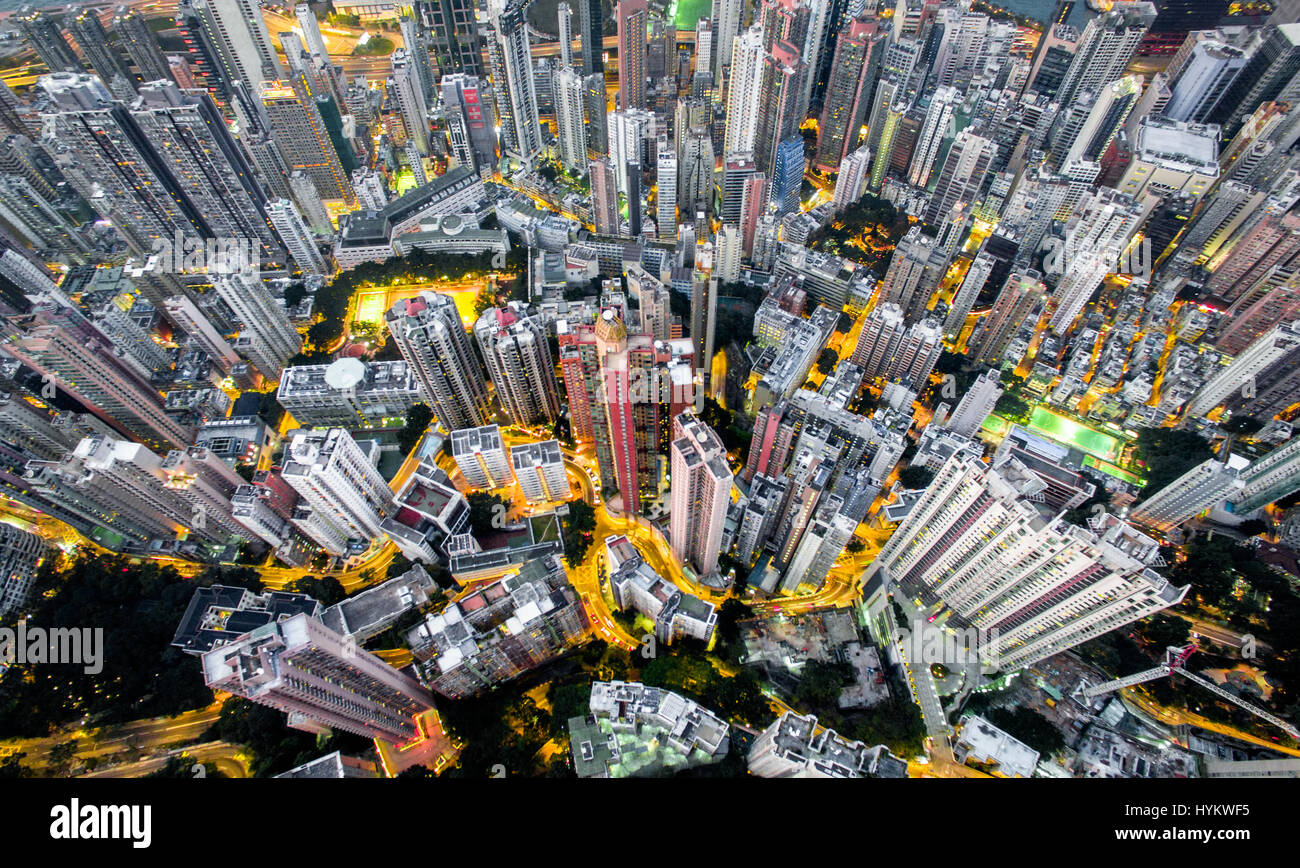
(481,455)
(21,553)
(569,101)
(80,360)
(539,470)
(409,91)
(604,197)
(1241,372)
(909,282)
(780,91)
(975,406)
(342,499)
(431,337)
(299,132)
(848,93)
(1272,477)
(633,19)
(515,349)
(523,137)
(298,239)
(1204,486)
(104,58)
(701,493)
(46,38)
(1030,583)
(304,668)
(1105,48)
(266,337)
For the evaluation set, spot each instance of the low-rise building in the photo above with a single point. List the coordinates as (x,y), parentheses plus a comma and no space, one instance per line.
(500,630)
(794,746)
(640,731)
(636,585)
(981,742)
(349,393)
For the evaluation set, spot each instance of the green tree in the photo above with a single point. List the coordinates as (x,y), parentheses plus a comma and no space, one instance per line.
(1163,631)
(915,476)
(417,422)
(327,590)
(827,360)
(1029,727)
(1012,406)
(1168,453)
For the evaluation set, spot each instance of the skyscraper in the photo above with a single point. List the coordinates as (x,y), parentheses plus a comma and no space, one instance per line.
(104,58)
(481,455)
(1105,48)
(743,97)
(1032,585)
(302,667)
(937,117)
(410,100)
(297,128)
(779,93)
(726,21)
(342,498)
(266,338)
(540,472)
(569,101)
(107,160)
(1268,74)
(1272,477)
(190,139)
(848,93)
(235,35)
(1191,494)
(311,34)
(596,109)
(1241,372)
(297,238)
(666,201)
(977,274)
(431,337)
(1100,230)
(141,45)
(908,283)
(46,38)
(975,406)
(524,136)
(963,173)
(1020,295)
(564,18)
(701,493)
(630,132)
(451,29)
(604,197)
(632,18)
(591,29)
(467,108)
(64,347)
(519,363)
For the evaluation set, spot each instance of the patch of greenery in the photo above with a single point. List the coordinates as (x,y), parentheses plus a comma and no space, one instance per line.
(1168,453)
(138,607)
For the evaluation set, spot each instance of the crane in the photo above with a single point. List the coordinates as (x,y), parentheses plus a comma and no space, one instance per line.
(1175,661)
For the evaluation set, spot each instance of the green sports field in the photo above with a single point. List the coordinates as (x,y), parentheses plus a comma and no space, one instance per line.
(687,13)
(1071,433)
